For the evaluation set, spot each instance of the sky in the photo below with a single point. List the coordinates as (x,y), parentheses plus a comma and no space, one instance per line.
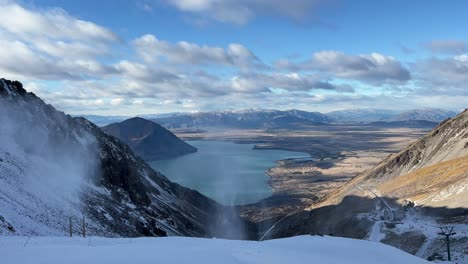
(130,57)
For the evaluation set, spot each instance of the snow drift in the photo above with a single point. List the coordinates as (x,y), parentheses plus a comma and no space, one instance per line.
(304,249)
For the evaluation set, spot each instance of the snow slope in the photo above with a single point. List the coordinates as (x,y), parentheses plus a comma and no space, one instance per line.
(54,168)
(302,249)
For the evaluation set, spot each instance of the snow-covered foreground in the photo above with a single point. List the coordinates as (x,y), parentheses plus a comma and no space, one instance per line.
(302,249)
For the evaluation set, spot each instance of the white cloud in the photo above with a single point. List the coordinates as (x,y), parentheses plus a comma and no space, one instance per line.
(138,102)
(98,102)
(51,45)
(53,23)
(461,58)
(60,48)
(116,101)
(448,46)
(373,68)
(144,73)
(32,87)
(194,5)
(153,50)
(447,76)
(242,11)
(262,82)
(17,59)
(79,57)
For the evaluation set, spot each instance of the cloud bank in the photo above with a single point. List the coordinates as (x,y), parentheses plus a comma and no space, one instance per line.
(74,64)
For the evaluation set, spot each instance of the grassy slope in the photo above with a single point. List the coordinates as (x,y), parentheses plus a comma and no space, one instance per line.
(430,184)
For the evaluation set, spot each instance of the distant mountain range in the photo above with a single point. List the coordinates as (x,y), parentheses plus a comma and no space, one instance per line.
(277,119)
(148,139)
(291,119)
(353,116)
(365,116)
(247,119)
(433,115)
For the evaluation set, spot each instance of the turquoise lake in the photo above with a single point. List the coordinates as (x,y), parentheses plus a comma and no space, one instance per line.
(229,173)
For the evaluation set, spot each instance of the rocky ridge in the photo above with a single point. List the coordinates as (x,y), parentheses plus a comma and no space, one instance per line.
(119,194)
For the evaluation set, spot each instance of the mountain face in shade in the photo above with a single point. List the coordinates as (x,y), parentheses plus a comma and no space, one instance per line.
(55,168)
(148,139)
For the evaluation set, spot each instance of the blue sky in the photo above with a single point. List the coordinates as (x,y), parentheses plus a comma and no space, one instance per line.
(153,56)
(349,26)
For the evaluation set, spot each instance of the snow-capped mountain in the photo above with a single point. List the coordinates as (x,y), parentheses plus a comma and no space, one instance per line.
(263,118)
(54,168)
(365,116)
(428,114)
(360,115)
(251,118)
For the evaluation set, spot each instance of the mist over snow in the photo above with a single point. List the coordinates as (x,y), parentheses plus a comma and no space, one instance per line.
(54,168)
(45,164)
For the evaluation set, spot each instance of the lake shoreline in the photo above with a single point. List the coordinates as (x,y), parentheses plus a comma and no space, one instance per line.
(338,153)
(226,171)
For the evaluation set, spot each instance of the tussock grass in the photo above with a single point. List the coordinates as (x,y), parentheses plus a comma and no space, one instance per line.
(425,182)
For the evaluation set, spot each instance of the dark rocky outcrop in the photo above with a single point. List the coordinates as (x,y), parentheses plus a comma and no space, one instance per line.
(148,139)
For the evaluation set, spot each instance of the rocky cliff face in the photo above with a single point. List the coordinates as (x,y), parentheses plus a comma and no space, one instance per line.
(54,168)
(148,139)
